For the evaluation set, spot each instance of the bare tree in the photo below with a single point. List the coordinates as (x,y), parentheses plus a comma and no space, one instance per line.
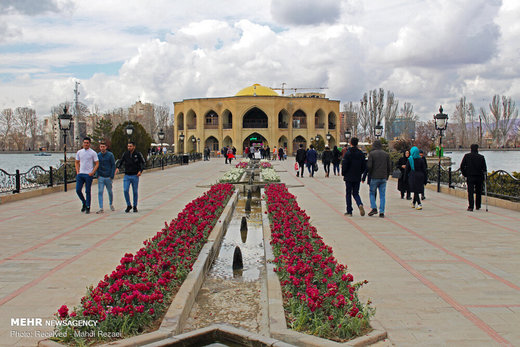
(363,118)
(464,114)
(161,117)
(24,116)
(390,112)
(408,119)
(7,125)
(351,118)
(500,120)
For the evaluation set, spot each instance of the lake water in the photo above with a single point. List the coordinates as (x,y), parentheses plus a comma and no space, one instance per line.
(495,160)
(25,161)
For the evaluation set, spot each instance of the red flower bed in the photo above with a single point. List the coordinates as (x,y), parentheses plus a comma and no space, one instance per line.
(139,290)
(242,164)
(320,297)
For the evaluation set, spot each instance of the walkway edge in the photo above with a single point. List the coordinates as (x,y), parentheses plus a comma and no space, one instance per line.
(278,324)
(180,307)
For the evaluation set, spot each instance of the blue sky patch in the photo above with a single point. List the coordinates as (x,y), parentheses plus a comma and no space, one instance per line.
(85,71)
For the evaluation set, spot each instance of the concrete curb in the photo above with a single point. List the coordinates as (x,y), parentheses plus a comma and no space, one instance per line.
(59,188)
(180,308)
(277,323)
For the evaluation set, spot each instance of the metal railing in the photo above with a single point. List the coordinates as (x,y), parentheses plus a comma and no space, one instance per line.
(500,184)
(35,177)
(38,177)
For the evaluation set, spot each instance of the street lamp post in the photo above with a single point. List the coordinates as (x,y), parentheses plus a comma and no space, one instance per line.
(181,140)
(198,144)
(194,140)
(378,130)
(129,131)
(161,135)
(441,123)
(348,134)
(65,122)
(329,136)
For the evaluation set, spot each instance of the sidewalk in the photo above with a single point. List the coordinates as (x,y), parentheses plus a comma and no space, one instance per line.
(440,276)
(50,251)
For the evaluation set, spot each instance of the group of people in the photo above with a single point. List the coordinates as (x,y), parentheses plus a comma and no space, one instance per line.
(89,164)
(228,153)
(377,168)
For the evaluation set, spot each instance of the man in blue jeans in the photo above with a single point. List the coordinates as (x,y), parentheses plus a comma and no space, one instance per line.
(86,165)
(354,164)
(379,168)
(134,166)
(105,173)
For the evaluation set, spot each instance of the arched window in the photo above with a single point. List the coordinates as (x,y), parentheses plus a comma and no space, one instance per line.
(255,118)
(299,120)
(283,119)
(211,120)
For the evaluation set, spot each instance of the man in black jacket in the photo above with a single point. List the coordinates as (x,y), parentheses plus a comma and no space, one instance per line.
(473,167)
(300,159)
(353,166)
(134,166)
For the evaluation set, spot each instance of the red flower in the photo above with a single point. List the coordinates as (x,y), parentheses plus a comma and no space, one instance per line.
(63,311)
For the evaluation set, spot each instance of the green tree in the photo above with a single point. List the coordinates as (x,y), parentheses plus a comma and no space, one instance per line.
(140,137)
(102,132)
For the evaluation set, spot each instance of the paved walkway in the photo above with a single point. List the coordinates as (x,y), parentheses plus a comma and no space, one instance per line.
(440,276)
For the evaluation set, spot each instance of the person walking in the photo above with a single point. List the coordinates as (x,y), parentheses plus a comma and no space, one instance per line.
(87,163)
(354,164)
(416,175)
(105,173)
(379,168)
(421,153)
(224,152)
(311,157)
(473,167)
(230,154)
(336,160)
(206,153)
(326,159)
(300,159)
(134,166)
(268,153)
(275,153)
(402,182)
(280,153)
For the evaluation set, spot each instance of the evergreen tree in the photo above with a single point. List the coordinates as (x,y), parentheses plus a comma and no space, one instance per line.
(102,132)
(140,137)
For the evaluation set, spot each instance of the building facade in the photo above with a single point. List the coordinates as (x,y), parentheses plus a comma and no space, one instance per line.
(256,116)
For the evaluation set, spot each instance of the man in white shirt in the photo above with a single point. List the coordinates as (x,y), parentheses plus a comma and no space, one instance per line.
(87,163)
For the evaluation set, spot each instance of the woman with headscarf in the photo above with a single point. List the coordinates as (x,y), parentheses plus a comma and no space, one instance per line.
(416,173)
(336,159)
(402,182)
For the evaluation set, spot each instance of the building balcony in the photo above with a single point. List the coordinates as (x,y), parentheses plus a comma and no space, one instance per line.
(227,126)
(210,126)
(319,126)
(192,126)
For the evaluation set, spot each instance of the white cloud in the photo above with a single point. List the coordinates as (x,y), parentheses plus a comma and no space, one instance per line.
(427,52)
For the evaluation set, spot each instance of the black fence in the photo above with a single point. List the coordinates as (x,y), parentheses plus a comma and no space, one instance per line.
(500,184)
(38,177)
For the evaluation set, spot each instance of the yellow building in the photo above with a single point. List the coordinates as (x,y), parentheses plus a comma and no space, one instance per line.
(257,116)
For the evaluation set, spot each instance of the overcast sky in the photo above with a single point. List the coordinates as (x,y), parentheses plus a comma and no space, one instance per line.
(427,52)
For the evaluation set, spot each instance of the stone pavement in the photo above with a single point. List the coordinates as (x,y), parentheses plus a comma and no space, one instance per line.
(440,276)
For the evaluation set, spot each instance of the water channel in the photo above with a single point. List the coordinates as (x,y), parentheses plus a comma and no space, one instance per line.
(236,297)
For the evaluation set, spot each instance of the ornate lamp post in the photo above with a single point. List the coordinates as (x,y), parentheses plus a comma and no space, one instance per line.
(198,144)
(441,123)
(65,123)
(161,135)
(378,130)
(328,138)
(181,140)
(348,134)
(129,131)
(194,140)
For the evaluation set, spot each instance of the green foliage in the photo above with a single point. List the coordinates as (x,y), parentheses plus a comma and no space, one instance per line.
(119,140)
(320,145)
(102,132)
(402,145)
(504,186)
